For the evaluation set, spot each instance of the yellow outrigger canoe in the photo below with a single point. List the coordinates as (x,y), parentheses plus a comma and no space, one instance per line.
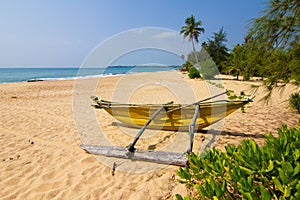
(172,117)
(169,116)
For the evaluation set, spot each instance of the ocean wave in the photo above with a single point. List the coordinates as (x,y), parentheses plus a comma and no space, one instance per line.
(15,75)
(75,77)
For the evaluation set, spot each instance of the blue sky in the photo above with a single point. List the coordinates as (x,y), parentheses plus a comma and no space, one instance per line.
(55,33)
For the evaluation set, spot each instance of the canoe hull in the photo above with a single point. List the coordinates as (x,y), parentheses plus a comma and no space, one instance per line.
(174,117)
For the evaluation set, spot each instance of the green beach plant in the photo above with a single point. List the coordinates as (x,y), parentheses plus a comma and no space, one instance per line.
(247,171)
(232,96)
(218,85)
(194,73)
(294,101)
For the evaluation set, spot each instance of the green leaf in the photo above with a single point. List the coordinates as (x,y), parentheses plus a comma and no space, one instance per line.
(296,169)
(182,181)
(224,186)
(218,190)
(201,191)
(278,184)
(234,175)
(297,194)
(296,154)
(265,195)
(248,195)
(287,192)
(287,166)
(283,176)
(209,189)
(284,140)
(230,149)
(287,150)
(178,197)
(184,173)
(270,167)
(187,198)
(248,171)
(253,145)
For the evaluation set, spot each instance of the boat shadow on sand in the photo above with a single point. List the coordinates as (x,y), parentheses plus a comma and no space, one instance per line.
(229,133)
(214,135)
(204,131)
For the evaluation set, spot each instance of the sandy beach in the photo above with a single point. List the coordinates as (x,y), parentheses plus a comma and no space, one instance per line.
(40,134)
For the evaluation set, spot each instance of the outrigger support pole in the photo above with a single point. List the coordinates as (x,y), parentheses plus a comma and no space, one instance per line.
(137,137)
(192,128)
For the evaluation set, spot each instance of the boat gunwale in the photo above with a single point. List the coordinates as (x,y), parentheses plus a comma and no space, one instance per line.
(134,105)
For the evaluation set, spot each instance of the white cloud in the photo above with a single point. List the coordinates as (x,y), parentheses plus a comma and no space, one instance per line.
(168,34)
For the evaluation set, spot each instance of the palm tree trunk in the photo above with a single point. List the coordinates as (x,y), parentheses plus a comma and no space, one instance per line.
(193,45)
(195,53)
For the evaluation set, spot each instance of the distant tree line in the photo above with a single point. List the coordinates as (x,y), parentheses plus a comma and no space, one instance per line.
(271,48)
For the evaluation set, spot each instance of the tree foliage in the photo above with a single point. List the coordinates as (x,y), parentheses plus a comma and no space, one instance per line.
(217,49)
(279,26)
(192,29)
(276,37)
(237,62)
(272,47)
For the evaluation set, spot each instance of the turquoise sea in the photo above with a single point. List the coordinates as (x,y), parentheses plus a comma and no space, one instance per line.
(11,75)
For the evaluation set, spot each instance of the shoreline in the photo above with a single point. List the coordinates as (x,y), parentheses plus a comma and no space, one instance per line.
(63,79)
(81,73)
(41,157)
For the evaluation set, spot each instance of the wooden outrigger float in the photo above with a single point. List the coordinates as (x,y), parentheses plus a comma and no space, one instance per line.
(169,116)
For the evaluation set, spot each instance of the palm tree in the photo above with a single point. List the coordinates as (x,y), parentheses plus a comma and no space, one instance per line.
(192,30)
